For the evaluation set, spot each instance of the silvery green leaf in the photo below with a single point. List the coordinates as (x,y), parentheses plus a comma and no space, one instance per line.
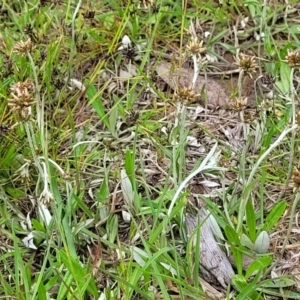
(103,212)
(126,188)
(262,243)
(137,256)
(215,227)
(45,214)
(245,241)
(169,268)
(102,296)
(82,225)
(28,241)
(126,216)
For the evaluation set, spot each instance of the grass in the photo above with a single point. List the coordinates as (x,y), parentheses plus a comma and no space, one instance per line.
(101,162)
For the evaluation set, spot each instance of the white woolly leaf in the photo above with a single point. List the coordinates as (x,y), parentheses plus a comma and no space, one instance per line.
(262,243)
(126,188)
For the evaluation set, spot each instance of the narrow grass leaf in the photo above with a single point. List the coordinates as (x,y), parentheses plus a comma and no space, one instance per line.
(113,116)
(130,165)
(42,292)
(79,201)
(96,102)
(79,273)
(251,221)
(64,287)
(234,243)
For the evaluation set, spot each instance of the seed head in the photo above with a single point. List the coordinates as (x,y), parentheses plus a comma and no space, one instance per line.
(238,104)
(298,119)
(296,179)
(185,94)
(250,117)
(247,64)
(195,47)
(146,3)
(22,48)
(293,58)
(4,129)
(22,99)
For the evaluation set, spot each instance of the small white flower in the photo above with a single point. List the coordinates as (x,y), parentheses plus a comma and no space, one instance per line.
(126,42)
(207,34)
(74,83)
(244,22)
(259,36)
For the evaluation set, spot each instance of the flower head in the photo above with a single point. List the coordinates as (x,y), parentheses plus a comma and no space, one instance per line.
(186,94)
(195,47)
(298,119)
(22,99)
(296,178)
(247,64)
(238,104)
(22,48)
(293,58)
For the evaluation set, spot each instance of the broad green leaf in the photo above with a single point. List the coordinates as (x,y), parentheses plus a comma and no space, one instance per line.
(258,265)
(232,236)
(274,215)
(247,290)
(279,282)
(280,294)
(284,82)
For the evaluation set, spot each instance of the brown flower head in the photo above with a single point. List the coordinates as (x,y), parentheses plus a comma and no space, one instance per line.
(250,117)
(247,64)
(298,119)
(238,104)
(22,48)
(4,129)
(296,178)
(22,99)
(293,58)
(195,47)
(146,3)
(185,94)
